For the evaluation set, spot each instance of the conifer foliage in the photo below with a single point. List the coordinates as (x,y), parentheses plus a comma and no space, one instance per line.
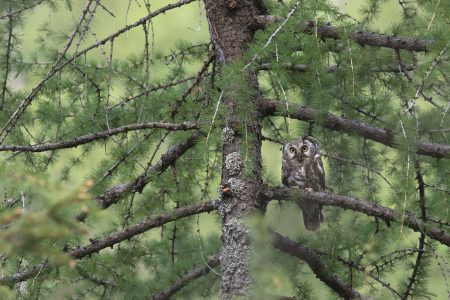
(156,174)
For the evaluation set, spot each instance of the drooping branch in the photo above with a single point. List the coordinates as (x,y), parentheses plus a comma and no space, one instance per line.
(368,208)
(186,278)
(167,159)
(335,123)
(59,65)
(100,135)
(312,258)
(96,245)
(371,38)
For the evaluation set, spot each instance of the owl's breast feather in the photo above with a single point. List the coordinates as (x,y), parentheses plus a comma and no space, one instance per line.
(298,176)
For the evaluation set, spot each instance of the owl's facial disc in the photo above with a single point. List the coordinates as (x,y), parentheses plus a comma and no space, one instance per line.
(307,149)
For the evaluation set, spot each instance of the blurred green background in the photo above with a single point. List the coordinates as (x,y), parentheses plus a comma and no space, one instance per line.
(189,24)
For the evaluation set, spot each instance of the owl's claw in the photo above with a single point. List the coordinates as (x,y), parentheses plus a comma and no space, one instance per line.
(308,189)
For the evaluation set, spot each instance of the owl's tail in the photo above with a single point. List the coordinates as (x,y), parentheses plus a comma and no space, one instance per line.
(312,214)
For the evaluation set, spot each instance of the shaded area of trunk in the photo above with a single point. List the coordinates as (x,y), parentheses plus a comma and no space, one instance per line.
(232,24)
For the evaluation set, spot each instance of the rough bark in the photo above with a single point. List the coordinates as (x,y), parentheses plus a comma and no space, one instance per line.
(231,26)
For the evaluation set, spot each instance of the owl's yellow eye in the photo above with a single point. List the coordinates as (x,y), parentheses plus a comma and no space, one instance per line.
(304,148)
(292,150)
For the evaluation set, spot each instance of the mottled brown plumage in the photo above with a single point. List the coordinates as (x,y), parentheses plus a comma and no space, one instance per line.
(302,166)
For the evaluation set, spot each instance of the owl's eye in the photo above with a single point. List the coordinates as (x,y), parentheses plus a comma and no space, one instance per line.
(292,150)
(304,148)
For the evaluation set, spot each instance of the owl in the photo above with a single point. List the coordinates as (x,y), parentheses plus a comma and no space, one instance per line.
(302,166)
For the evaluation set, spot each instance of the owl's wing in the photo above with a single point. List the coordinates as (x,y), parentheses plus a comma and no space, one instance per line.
(321,174)
(285,173)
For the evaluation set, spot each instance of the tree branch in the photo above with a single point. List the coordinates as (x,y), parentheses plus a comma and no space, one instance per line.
(335,123)
(25,274)
(19,11)
(185,279)
(7,62)
(421,187)
(59,65)
(334,68)
(361,37)
(152,89)
(362,269)
(371,38)
(100,135)
(118,191)
(312,258)
(368,208)
(151,222)
(54,68)
(96,246)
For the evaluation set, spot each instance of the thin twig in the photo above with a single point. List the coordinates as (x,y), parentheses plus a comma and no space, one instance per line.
(8,56)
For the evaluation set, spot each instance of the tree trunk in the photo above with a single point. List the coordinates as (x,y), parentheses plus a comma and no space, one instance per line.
(232,25)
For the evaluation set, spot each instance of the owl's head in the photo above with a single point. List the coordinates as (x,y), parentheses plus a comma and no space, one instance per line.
(301,148)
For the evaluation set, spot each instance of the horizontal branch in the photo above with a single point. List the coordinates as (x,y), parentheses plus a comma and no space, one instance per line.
(312,258)
(186,278)
(100,135)
(113,194)
(96,245)
(335,123)
(25,274)
(360,37)
(332,69)
(371,38)
(368,208)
